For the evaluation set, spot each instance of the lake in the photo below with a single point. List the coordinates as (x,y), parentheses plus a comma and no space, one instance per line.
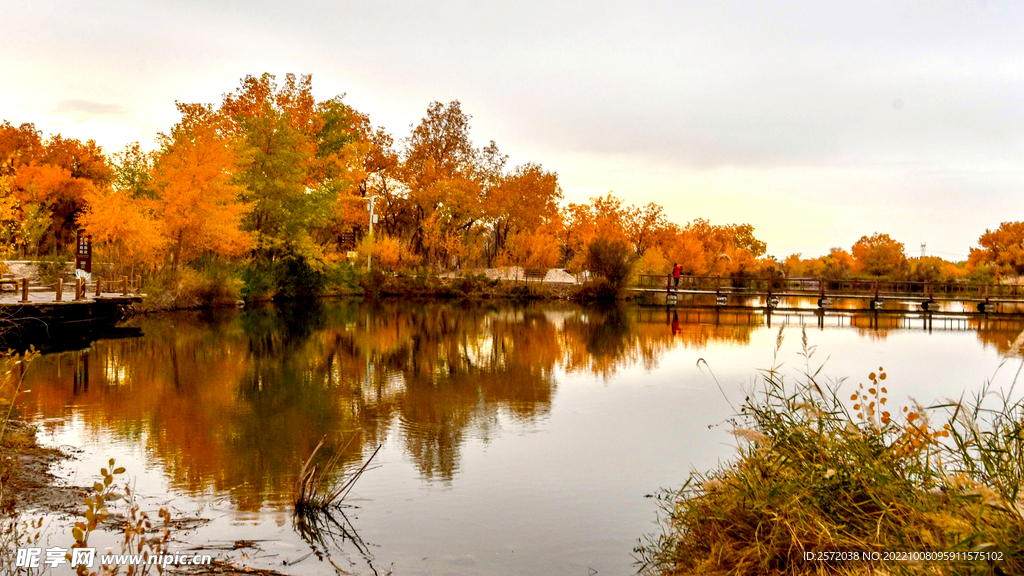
(513,439)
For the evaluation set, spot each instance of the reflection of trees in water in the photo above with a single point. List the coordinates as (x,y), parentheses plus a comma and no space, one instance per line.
(1001,334)
(232,402)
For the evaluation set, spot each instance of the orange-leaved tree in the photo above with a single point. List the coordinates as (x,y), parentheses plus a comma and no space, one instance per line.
(519,204)
(441,171)
(198,202)
(50,181)
(1002,248)
(648,227)
(879,255)
(124,230)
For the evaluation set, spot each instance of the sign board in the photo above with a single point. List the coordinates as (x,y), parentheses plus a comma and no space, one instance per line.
(83,253)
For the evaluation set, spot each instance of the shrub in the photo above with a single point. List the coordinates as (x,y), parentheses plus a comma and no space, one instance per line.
(294,276)
(197,289)
(373,282)
(51,268)
(258,281)
(469,283)
(597,290)
(298,277)
(611,260)
(342,277)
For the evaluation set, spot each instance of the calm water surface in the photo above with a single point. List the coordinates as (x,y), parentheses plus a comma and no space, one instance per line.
(515,440)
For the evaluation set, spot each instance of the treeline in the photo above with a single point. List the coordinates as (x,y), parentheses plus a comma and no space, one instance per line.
(1000,254)
(274,185)
(268,191)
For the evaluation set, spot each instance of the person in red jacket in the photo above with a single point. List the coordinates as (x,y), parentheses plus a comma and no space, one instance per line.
(676,272)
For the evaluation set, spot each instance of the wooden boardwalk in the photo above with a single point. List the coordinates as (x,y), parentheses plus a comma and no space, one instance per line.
(8,298)
(739,291)
(20,291)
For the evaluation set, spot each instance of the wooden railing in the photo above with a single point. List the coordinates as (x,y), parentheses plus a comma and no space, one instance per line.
(125,285)
(823,286)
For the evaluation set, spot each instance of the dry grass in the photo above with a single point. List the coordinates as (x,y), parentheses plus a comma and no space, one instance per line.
(813,476)
(316,488)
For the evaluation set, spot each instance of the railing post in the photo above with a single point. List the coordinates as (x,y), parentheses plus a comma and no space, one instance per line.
(99,286)
(124,288)
(24,289)
(60,289)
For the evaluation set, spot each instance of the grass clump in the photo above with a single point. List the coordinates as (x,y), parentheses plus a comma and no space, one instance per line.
(820,471)
(316,487)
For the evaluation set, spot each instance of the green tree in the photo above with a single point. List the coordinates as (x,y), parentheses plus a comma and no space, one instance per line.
(294,161)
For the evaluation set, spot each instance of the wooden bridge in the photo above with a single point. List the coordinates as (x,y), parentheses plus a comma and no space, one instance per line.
(768,291)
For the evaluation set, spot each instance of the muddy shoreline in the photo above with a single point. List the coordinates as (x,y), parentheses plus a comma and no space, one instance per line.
(31,489)
(31,486)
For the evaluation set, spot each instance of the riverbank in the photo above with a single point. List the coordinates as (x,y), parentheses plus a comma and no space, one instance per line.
(26,482)
(470,288)
(847,483)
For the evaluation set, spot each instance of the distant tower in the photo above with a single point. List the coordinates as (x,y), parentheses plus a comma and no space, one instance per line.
(923,244)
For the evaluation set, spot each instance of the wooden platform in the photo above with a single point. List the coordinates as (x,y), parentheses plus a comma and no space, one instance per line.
(38,318)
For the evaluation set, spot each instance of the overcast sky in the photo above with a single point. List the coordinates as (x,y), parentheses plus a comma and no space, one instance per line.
(816,122)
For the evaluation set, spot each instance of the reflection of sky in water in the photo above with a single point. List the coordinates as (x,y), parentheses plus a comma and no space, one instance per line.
(515,440)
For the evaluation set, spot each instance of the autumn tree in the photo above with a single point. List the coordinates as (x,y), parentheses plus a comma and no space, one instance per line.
(520,204)
(934,269)
(121,217)
(838,263)
(701,247)
(1002,248)
(294,160)
(50,180)
(574,230)
(11,222)
(124,230)
(441,171)
(132,171)
(878,255)
(581,224)
(199,202)
(647,227)
(381,177)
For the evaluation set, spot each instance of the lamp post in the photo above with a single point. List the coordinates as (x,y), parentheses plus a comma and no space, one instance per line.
(373,220)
